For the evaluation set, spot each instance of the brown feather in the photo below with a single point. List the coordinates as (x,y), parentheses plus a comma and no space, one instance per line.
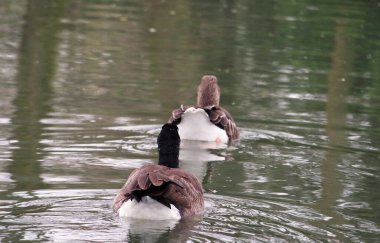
(208,99)
(143,181)
(166,185)
(154,179)
(177,114)
(221,118)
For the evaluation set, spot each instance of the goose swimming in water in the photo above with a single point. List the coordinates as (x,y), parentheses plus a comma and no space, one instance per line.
(162,191)
(207,121)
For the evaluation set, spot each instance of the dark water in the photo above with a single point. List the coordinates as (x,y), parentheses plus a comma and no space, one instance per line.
(86,85)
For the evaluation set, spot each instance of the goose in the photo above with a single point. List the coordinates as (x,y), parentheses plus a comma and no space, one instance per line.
(207,121)
(161,191)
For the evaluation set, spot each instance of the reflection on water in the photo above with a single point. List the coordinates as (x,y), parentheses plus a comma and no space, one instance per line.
(86,85)
(35,71)
(195,156)
(78,215)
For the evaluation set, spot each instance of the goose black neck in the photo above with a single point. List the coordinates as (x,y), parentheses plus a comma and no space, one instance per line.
(168,146)
(168,160)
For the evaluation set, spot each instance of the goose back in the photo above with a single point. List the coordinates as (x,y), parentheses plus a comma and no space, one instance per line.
(168,186)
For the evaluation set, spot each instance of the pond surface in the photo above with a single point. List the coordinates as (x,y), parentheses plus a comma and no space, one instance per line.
(86,85)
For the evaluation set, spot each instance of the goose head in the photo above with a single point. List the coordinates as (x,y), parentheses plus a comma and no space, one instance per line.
(208,91)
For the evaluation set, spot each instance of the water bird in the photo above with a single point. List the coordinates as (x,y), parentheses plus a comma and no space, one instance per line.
(207,121)
(161,191)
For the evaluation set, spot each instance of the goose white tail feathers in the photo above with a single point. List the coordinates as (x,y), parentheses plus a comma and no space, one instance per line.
(149,209)
(196,125)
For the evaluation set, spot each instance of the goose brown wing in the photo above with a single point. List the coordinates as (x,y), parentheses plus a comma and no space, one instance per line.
(222,118)
(189,197)
(177,114)
(166,185)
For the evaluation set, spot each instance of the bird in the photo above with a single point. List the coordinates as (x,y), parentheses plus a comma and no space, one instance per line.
(161,191)
(206,121)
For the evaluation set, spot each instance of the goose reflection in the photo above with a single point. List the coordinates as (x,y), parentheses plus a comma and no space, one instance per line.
(164,231)
(196,155)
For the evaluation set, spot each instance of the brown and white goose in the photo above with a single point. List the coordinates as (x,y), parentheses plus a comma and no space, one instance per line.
(162,191)
(207,121)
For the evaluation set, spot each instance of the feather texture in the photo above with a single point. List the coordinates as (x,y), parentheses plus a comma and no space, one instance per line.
(169,186)
(217,115)
(208,100)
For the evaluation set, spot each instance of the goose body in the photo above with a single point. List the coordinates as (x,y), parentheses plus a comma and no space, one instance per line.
(207,121)
(163,191)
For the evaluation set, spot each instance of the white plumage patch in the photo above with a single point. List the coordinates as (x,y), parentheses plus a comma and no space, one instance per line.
(195,125)
(148,208)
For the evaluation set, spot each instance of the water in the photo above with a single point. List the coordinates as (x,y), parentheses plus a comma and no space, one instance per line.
(86,85)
